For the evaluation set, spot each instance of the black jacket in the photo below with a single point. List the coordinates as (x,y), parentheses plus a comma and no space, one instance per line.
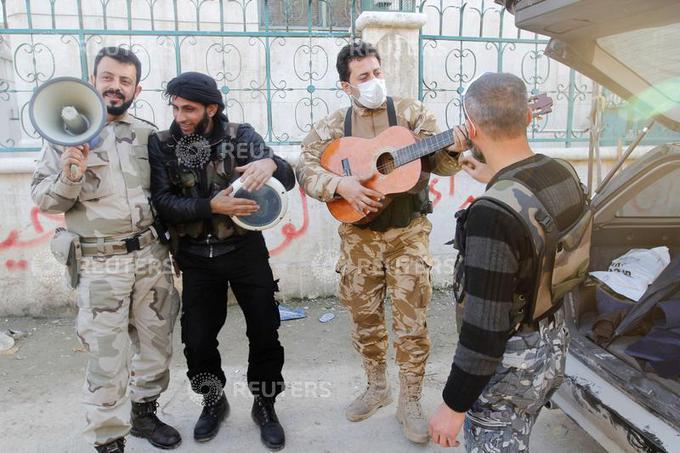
(175,208)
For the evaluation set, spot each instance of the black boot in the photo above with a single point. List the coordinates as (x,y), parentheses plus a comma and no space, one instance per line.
(208,423)
(115,446)
(264,416)
(146,424)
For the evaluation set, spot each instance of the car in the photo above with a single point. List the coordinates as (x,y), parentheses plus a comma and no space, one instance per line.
(629,47)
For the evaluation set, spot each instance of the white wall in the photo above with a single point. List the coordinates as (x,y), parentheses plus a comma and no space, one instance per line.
(303,247)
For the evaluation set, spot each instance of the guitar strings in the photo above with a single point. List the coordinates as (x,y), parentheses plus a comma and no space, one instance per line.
(411,152)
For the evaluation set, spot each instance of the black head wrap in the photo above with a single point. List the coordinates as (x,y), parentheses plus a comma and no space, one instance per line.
(196,87)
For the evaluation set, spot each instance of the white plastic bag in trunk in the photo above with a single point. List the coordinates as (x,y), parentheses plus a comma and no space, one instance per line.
(631,274)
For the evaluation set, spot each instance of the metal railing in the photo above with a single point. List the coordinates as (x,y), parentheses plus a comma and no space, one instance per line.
(274,60)
(405,6)
(278,77)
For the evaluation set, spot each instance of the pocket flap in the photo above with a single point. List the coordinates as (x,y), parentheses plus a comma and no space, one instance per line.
(97,158)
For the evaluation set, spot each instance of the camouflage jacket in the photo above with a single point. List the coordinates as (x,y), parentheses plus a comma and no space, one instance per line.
(112,198)
(366,123)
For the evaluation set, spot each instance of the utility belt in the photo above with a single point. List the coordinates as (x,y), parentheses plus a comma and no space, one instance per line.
(211,246)
(219,228)
(68,248)
(118,246)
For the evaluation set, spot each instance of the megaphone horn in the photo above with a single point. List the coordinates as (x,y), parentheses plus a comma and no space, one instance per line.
(68,111)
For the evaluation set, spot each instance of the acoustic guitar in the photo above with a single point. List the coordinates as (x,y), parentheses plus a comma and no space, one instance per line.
(390,163)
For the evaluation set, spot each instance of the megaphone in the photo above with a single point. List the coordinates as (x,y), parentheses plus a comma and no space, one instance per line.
(67,111)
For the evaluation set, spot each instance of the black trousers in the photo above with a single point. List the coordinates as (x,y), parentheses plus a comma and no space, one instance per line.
(204,311)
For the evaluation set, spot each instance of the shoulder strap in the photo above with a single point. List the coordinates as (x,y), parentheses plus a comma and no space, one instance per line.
(391,112)
(348,122)
(391,117)
(570,168)
(518,199)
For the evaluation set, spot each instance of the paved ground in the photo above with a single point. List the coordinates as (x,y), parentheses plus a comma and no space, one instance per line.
(40,390)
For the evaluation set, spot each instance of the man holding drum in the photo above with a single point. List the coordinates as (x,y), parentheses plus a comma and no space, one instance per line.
(193,165)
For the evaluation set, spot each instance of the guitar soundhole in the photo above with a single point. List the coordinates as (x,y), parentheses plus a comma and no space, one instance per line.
(385,163)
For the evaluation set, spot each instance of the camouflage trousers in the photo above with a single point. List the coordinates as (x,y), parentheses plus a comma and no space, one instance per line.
(532,369)
(397,263)
(127,306)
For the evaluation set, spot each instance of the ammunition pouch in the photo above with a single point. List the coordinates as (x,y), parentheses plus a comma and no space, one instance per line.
(65,247)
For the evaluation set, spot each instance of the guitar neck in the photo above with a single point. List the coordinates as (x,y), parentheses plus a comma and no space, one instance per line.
(540,105)
(423,147)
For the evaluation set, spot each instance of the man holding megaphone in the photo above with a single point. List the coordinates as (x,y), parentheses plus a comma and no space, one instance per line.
(126,298)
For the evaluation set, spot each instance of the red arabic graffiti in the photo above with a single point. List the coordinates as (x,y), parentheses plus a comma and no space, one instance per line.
(289,231)
(435,192)
(41,235)
(12,265)
(14,241)
(467,202)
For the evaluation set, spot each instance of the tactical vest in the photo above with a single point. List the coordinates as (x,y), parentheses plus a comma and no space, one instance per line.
(560,258)
(403,207)
(195,182)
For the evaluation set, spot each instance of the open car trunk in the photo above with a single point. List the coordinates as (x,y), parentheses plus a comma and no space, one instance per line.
(640,208)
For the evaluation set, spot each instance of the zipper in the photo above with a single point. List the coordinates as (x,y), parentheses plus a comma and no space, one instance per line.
(207,241)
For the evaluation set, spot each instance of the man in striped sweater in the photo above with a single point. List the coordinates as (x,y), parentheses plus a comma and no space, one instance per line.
(501,377)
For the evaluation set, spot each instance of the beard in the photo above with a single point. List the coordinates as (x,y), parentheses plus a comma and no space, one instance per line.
(203,125)
(117,110)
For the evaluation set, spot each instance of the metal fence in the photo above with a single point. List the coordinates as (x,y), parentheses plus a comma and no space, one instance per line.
(274,60)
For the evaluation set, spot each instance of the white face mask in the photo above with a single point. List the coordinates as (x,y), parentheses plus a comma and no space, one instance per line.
(372,94)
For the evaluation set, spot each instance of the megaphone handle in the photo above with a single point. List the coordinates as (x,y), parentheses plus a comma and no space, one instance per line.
(74,171)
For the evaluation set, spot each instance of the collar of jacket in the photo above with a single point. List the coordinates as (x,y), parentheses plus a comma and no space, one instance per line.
(365,111)
(126,118)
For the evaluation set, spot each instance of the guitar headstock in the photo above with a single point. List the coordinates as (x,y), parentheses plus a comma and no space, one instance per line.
(540,104)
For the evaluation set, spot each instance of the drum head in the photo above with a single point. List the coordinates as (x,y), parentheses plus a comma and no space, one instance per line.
(272,199)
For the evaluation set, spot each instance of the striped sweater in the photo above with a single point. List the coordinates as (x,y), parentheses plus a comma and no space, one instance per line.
(495,245)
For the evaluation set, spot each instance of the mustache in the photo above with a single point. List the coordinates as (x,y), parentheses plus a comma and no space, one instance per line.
(116,93)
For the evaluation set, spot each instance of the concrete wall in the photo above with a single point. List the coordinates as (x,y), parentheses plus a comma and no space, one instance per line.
(303,248)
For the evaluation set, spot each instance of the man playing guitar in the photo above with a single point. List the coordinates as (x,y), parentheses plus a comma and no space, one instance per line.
(387,251)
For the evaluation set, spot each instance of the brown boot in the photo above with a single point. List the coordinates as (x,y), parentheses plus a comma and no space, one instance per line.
(376,395)
(409,411)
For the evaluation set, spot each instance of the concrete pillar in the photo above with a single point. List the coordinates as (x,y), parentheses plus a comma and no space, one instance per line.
(395,34)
